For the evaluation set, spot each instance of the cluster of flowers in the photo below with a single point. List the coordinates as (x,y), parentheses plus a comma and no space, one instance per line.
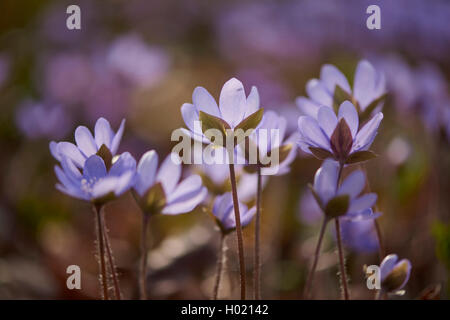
(338,126)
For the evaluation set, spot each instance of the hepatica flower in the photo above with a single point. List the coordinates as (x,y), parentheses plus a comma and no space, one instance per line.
(88,145)
(394,274)
(95,182)
(367,94)
(235,111)
(223,211)
(345,200)
(269,148)
(338,137)
(160,190)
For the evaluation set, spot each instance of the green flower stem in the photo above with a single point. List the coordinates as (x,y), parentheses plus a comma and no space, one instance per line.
(220,259)
(101,252)
(257,262)
(309,281)
(238,229)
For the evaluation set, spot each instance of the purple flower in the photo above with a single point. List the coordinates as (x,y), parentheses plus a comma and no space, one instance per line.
(37,120)
(359,236)
(88,145)
(338,137)
(394,274)
(223,211)
(233,107)
(269,137)
(368,86)
(160,189)
(345,200)
(139,63)
(94,182)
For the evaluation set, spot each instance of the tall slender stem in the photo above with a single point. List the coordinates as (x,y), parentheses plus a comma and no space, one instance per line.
(343,272)
(112,265)
(101,252)
(257,262)
(219,266)
(144,251)
(238,229)
(341,260)
(309,281)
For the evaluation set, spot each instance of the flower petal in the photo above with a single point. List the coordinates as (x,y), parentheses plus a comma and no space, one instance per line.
(312,133)
(325,180)
(125,163)
(186,196)
(103,133)
(252,102)
(362,203)
(367,134)
(117,138)
(318,93)
(387,265)
(232,102)
(327,120)
(307,107)
(85,141)
(169,173)
(71,151)
(190,114)
(348,111)
(365,83)
(353,185)
(146,171)
(94,168)
(204,101)
(332,76)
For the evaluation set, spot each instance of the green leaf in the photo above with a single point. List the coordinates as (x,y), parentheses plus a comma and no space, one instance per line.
(337,206)
(365,115)
(106,155)
(341,140)
(361,156)
(249,123)
(340,95)
(155,199)
(320,153)
(212,122)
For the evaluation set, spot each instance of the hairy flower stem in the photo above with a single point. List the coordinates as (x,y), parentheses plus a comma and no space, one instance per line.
(343,273)
(143,264)
(257,262)
(309,281)
(238,229)
(101,252)
(341,260)
(111,259)
(220,259)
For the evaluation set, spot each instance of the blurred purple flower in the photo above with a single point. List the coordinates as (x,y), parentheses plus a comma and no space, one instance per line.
(138,62)
(88,145)
(359,235)
(178,197)
(38,120)
(310,212)
(223,211)
(95,183)
(233,107)
(368,86)
(318,133)
(68,77)
(326,189)
(269,137)
(394,274)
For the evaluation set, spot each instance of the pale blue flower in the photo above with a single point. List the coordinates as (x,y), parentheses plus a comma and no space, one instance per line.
(94,182)
(394,274)
(179,196)
(234,106)
(368,86)
(223,211)
(317,132)
(87,144)
(326,189)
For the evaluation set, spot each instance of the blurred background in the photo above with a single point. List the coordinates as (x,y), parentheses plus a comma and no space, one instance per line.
(141,60)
